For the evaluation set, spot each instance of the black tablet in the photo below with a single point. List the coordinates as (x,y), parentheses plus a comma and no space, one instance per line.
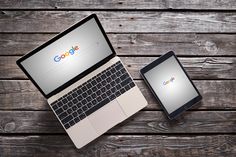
(170,84)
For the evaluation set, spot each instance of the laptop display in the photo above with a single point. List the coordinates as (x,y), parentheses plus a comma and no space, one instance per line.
(67,57)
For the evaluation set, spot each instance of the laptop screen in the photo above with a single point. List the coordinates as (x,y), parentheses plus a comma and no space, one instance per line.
(67,57)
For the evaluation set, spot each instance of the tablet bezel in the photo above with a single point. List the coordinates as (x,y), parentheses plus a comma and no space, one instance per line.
(185,106)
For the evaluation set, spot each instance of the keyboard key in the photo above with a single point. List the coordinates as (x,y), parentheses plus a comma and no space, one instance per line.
(99,85)
(96,107)
(70,104)
(55,107)
(119,66)
(132,84)
(118,87)
(75,114)
(94,82)
(94,102)
(113,83)
(103,89)
(127,87)
(98,92)
(72,122)
(84,95)
(113,89)
(108,73)
(104,82)
(99,99)
(89,85)
(112,97)
(80,98)
(124,76)
(93,95)
(113,76)
(69,111)
(89,105)
(84,108)
(67,126)
(108,92)
(59,111)
(103,76)
(84,88)
(89,98)
(123,70)
(79,91)
(108,80)
(108,86)
(74,101)
(89,92)
(65,107)
(84,101)
(64,101)
(94,89)
(104,96)
(125,82)
(69,97)
(122,90)
(59,104)
(79,105)
(118,80)
(74,108)
(99,79)
(76,119)
(82,116)
(62,115)
(79,111)
(117,93)
(74,95)
(67,119)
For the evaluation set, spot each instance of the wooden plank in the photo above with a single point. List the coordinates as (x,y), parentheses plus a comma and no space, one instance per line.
(197,67)
(123,21)
(137,44)
(142,123)
(217,95)
(113,4)
(122,145)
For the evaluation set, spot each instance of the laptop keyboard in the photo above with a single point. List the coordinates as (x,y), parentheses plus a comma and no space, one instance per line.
(92,95)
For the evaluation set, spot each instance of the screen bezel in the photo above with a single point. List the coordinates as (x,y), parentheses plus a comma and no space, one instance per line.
(185,106)
(81,75)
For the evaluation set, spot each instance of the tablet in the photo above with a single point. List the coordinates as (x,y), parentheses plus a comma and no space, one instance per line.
(170,84)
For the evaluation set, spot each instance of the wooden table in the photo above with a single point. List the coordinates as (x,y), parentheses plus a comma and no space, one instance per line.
(203,35)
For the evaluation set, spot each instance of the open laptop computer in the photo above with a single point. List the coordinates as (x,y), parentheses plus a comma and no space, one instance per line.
(83,80)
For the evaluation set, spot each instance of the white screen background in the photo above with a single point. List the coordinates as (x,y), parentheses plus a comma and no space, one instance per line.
(49,74)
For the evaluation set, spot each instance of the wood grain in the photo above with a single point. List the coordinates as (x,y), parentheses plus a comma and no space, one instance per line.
(144,122)
(22,95)
(122,4)
(197,67)
(137,44)
(123,21)
(122,145)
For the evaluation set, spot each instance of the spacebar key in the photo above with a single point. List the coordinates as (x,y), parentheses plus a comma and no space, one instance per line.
(97,106)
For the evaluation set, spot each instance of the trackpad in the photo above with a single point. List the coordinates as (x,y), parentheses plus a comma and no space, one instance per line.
(107,117)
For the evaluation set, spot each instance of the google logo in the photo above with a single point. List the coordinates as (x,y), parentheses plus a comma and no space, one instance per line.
(168,81)
(72,51)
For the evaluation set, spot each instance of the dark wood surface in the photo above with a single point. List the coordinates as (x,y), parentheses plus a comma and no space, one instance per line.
(202,34)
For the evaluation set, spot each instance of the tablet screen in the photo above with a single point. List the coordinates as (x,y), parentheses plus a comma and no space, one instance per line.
(171,84)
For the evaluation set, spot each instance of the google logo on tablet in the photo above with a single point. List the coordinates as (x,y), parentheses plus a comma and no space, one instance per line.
(66,54)
(169,81)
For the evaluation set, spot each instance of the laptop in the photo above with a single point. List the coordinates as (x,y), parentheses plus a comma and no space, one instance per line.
(85,83)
